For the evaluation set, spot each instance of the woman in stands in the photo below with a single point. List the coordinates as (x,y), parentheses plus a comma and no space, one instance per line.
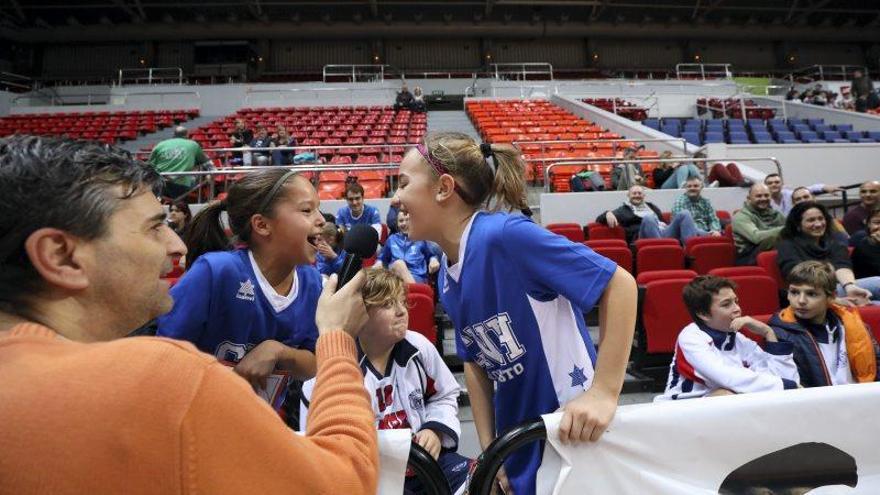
(516,294)
(807,237)
(673,175)
(253,306)
(866,247)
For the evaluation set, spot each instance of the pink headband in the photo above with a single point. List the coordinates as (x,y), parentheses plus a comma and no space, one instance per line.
(441,169)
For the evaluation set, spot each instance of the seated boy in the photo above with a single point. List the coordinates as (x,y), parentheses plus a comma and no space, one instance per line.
(410,260)
(713,358)
(330,255)
(832,346)
(406,379)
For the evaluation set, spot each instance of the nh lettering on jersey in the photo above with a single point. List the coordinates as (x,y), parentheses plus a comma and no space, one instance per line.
(497,348)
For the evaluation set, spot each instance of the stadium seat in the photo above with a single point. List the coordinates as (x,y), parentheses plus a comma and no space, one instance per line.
(421,289)
(658,241)
(652,258)
(757,294)
(767,261)
(421,315)
(704,257)
(573,231)
(734,271)
(618,254)
(598,231)
(871,316)
(644,278)
(663,315)
(593,244)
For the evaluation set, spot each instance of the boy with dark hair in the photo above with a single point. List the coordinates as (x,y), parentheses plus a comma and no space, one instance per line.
(713,358)
(832,346)
(357,212)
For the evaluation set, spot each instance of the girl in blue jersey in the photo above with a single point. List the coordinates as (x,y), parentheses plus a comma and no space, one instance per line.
(410,260)
(516,294)
(253,306)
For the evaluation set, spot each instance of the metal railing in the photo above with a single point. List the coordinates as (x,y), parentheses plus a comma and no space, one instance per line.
(824,73)
(355,72)
(490,461)
(54,99)
(738,104)
(520,71)
(317,149)
(649,103)
(588,161)
(16,81)
(150,75)
(704,71)
(596,142)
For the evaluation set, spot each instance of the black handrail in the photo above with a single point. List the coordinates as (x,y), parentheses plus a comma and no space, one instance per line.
(427,471)
(491,459)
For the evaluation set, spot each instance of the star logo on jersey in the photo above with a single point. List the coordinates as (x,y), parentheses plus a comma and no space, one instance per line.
(578,379)
(246,291)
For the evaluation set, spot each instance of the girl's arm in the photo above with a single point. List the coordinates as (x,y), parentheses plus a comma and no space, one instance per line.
(586,417)
(480,392)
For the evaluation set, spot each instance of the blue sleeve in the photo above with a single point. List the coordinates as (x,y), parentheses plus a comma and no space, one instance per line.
(374,216)
(340,217)
(427,251)
(391,218)
(188,319)
(550,264)
(306,334)
(385,253)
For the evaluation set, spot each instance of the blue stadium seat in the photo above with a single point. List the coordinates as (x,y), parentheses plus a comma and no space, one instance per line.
(714,137)
(738,135)
(815,122)
(757,123)
(740,140)
(840,140)
(764,139)
(862,140)
(808,135)
(815,140)
(692,137)
(785,134)
(830,136)
(787,140)
(823,128)
(652,123)
(875,135)
(844,127)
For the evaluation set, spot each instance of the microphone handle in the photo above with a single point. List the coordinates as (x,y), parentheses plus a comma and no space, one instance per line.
(350,266)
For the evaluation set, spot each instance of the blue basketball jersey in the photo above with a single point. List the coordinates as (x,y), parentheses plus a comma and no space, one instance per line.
(220,307)
(517,297)
(370,216)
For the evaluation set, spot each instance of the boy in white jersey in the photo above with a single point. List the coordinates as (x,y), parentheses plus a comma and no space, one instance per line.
(408,383)
(713,358)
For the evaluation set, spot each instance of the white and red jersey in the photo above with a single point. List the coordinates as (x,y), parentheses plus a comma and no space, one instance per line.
(415,391)
(706,359)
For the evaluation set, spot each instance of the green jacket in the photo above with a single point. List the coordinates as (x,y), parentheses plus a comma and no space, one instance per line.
(178,155)
(756,228)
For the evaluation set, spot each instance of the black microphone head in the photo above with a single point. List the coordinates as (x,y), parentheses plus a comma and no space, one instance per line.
(361,240)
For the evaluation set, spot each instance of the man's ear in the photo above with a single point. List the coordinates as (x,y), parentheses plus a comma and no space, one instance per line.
(54,254)
(446,187)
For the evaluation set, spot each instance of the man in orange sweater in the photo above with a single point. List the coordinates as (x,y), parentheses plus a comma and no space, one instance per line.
(83,244)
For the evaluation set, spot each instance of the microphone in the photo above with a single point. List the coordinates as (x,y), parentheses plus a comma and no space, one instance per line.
(360,243)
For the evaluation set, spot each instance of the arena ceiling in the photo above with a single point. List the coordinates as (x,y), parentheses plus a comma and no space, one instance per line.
(94,20)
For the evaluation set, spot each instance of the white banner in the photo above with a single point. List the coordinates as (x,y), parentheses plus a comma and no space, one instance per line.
(818,441)
(394,448)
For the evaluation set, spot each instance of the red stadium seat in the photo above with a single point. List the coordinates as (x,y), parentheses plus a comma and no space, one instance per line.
(618,254)
(659,241)
(871,316)
(573,231)
(421,289)
(644,278)
(421,315)
(704,257)
(663,315)
(598,231)
(593,244)
(733,271)
(651,258)
(767,261)
(757,294)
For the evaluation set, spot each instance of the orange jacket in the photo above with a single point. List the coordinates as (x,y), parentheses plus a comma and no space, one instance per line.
(155,416)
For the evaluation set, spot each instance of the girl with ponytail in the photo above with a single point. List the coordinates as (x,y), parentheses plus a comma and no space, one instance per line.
(516,294)
(253,306)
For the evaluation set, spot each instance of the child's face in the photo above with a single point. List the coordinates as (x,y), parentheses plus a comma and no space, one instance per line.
(808,302)
(724,308)
(387,323)
(403,222)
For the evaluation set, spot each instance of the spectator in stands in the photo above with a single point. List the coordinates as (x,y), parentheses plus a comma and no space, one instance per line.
(780,196)
(79,272)
(641,219)
(404,99)
(330,253)
(713,358)
(252,306)
(863,93)
(179,154)
(855,217)
(700,208)
(357,212)
(793,94)
(726,175)
(413,261)
(831,344)
(241,136)
(262,140)
(866,248)
(756,226)
(391,219)
(673,175)
(283,139)
(628,174)
(418,103)
(179,216)
(845,101)
(803,194)
(424,393)
(806,236)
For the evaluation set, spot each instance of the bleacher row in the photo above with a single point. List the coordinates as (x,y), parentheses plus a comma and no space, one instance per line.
(663,267)
(525,121)
(758,131)
(107,127)
(733,108)
(619,106)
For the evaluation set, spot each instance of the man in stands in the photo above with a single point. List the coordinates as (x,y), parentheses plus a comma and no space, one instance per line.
(643,220)
(357,212)
(82,270)
(179,154)
(756,226)
(404,99)
(262,140)
(626,175)
(700,208)
(780,196)
(869,193)
(241,136)
(863,92)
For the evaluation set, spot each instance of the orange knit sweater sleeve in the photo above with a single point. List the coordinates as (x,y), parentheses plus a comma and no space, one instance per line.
(231,443)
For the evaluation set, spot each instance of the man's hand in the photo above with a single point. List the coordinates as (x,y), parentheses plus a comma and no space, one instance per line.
(429,441)
(259,363)
(344,309)
(610,219)
(585,417)
(433,265)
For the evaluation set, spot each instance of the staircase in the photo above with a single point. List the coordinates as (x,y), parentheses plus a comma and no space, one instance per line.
(452,120)
(151,139)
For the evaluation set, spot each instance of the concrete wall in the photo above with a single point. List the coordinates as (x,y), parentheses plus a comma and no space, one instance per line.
(583,208)
(860,121)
